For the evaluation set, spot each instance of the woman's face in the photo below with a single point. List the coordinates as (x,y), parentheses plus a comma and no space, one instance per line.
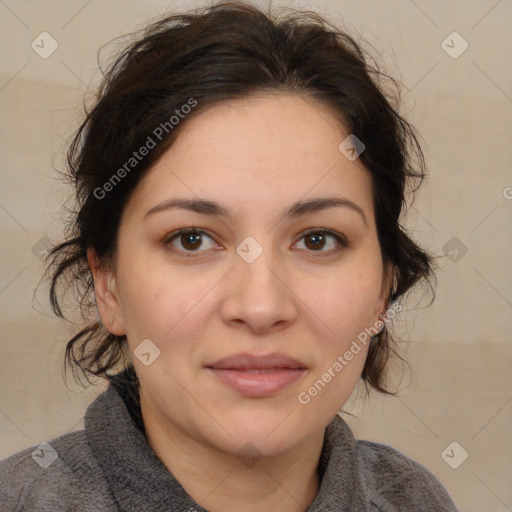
(248,281)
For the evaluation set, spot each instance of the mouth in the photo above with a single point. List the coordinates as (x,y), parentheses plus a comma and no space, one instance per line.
(257,376)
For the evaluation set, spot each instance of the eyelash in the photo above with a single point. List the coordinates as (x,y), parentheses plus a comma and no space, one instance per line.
(340,239)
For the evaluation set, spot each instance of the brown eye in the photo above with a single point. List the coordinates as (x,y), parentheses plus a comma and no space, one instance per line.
(315,241)
(318,239)
(189,241)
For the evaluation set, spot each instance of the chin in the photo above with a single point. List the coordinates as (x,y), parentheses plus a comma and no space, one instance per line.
(246,445)
(265,435)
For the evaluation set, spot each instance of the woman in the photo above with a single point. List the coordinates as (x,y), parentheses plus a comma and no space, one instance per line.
(239,183)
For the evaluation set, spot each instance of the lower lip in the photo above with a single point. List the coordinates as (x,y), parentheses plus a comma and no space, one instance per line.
(255,385)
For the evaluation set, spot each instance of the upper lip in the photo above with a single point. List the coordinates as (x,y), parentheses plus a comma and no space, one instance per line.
(244,361)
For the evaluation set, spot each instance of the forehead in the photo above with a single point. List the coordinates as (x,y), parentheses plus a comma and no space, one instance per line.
(275,147)
(266,128)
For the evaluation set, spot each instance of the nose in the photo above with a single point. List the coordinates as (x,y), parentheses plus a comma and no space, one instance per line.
(259,295)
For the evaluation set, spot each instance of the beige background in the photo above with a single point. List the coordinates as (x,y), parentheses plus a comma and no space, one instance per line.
(460,389)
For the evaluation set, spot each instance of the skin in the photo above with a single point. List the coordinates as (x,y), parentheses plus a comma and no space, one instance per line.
(256,157)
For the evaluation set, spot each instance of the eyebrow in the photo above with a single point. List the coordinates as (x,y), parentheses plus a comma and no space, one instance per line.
(298,209)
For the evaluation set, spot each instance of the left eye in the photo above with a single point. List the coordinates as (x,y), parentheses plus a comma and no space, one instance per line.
(191,240)
(317,239)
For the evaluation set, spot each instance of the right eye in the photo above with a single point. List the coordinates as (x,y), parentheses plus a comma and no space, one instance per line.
(190,240)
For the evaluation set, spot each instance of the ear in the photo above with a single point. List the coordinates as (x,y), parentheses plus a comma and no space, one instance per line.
(388,278)
(107,300)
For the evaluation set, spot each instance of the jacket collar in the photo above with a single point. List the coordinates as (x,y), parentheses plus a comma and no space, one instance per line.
(140,481)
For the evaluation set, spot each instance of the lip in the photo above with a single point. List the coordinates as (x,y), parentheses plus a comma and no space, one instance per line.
(257,376)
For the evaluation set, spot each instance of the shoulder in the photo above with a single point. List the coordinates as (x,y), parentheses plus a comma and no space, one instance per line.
(396,482)
(57,475)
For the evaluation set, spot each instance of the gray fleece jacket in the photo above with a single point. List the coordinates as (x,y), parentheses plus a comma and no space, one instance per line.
(109,466)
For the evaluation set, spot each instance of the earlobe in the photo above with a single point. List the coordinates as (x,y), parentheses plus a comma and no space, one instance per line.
(105,290)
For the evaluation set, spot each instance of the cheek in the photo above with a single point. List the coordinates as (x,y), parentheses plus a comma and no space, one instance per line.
(340,340)
(159,303)
(344,304)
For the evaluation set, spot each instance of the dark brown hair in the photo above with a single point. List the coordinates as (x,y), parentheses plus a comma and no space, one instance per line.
(222,53)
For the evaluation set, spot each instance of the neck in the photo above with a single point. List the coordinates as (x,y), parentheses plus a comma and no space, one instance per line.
(221,481)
